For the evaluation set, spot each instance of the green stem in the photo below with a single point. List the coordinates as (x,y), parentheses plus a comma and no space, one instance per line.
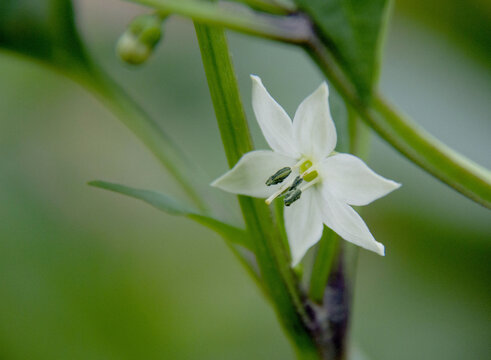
(147,130)
(268,6)
(134,117)
(270,254)
(293,29)
(359,135)
(462,174)
(324,260)
(407,137)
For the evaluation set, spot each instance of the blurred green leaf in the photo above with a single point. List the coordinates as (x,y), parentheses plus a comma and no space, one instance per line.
(466,22)
(42,29)
(45,30)
(352,30)
(175,207)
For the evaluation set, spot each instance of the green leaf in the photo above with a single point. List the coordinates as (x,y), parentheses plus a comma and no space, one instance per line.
(45,30)
(42,29)
(352,30)
(175,207)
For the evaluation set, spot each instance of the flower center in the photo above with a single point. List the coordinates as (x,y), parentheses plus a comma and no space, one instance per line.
(308,175)
(291,189)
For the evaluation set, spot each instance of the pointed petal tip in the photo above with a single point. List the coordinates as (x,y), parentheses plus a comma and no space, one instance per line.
(256,78)
(295,261)
(214,183)
(297,257)
(394,184)
(381,249)
(324,88)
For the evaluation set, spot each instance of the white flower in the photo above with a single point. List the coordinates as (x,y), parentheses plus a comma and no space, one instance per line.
(319,184)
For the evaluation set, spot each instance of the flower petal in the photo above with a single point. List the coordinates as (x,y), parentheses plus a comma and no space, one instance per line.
(313,128)
(346,222)
(249,175)
(350,180)
(273,120)
(303,224)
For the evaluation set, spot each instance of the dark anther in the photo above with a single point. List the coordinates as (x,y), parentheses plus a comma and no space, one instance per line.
(279,176)
(292,196)
(298,180)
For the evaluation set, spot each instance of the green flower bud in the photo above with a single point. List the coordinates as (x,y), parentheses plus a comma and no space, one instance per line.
(137,43)
(132,51)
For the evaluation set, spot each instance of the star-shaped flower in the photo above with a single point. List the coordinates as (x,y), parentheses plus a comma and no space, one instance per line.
(318,184)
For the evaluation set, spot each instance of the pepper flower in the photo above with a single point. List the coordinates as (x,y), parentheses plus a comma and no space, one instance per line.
(318,185)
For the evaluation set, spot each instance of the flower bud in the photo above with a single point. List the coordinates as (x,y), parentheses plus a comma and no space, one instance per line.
(140,38)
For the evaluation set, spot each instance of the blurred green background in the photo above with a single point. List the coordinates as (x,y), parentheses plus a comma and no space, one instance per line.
(87,274)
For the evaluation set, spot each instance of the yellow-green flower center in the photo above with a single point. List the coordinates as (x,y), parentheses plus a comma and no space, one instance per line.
(307,164)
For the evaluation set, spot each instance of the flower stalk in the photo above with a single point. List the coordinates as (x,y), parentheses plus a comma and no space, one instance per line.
(269,250)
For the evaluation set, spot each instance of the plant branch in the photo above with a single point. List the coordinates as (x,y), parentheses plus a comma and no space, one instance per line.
(271,257)
(407,137)
(268,6)
(147,130)
(291,29)
(323,264)
(94,80)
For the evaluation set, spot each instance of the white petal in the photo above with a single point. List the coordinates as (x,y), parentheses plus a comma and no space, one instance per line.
(350,180)
(303,224)
(346,222)
(249,175)
(274,122)
(313,127)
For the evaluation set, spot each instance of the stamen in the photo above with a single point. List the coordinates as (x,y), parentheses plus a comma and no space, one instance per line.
(299,163)
(279,176)
(284,188)
(292,196)
(309,174)
(305,165)
(310,184)
(298,180)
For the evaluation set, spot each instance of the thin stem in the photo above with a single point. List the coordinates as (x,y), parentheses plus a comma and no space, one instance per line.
(324,259)
(407,137)
(147,130)
(359,135)
(133,116)
(279,207)
(268,6)
(292,29)
(270,253)
(459,172)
